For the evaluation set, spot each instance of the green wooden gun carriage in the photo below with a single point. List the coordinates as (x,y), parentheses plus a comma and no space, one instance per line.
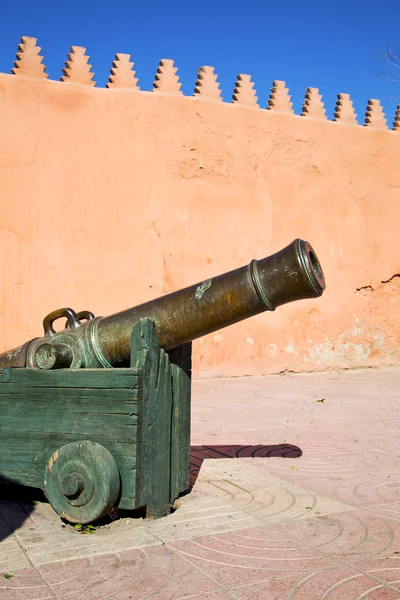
(98,415)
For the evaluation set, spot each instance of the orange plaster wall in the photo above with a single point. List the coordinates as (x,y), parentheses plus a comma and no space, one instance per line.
(113,197)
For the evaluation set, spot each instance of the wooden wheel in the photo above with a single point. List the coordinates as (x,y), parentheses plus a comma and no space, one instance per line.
(82,482)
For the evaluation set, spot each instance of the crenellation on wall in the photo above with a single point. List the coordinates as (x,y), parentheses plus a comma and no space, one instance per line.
(122,74)
(279,99)
(374,116)
(244,92)
(29,62)
(396,122)
(77,68)
(207,86)
(166,79)
(344,110)
(313,105)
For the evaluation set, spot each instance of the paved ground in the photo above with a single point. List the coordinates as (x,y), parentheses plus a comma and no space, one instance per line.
(293,498)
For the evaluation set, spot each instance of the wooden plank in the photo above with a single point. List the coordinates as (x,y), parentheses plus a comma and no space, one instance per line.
(30,442)
(154,431)
(181,367)
(116,426)
(28,445)
(71,392)
(22,412)
(111,401)
(76,378)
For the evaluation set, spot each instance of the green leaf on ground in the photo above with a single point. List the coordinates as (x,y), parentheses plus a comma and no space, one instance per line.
(85,529)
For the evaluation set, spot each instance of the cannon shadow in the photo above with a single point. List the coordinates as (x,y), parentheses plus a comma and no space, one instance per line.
(17,502)
(200,453)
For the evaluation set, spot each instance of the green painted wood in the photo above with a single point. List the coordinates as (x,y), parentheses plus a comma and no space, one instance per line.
(44,420)
(181,367)
(82,481)
(61,407)
(28,442)
(5,375)
(154,431)
(88,397)
(75,378)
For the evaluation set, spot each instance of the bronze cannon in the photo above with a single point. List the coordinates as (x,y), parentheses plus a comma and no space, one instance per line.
(292,274)
(97,415)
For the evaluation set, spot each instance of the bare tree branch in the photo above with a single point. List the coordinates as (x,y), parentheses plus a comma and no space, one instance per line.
(392,56)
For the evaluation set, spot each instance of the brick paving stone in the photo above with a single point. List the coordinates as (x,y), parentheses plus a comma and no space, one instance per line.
(233,563)
(132,574)
(335,584)
(292,499)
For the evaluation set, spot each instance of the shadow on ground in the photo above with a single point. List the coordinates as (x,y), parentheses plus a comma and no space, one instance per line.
(200,453)
(16,504)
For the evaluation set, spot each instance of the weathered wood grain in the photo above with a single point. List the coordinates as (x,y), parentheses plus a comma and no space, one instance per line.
(85,378)
(181,369)
(154,431)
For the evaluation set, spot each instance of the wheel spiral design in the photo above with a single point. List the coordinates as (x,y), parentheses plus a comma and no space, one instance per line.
(82,482)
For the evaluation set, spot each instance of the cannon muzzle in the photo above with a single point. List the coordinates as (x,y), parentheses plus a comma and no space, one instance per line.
(292,274)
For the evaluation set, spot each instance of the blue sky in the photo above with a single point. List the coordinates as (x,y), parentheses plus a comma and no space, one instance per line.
(329,45)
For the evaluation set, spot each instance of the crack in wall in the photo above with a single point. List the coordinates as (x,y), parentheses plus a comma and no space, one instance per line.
(369,288)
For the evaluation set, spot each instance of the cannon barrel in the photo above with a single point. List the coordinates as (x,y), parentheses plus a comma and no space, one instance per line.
(291,274)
